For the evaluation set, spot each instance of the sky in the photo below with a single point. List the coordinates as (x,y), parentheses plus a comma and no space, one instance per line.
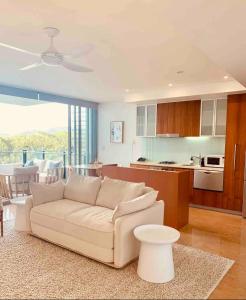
(16,119)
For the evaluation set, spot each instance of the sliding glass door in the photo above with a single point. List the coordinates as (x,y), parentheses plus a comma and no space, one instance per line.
(82,135)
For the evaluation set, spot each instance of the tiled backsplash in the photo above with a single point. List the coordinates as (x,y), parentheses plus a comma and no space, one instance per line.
(180,149)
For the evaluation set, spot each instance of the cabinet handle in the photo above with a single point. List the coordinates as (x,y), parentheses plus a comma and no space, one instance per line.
(235,157)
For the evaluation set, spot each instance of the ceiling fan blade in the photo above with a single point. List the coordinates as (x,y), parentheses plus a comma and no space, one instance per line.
(82,51)
(28,67)
(19,49)
(76,68)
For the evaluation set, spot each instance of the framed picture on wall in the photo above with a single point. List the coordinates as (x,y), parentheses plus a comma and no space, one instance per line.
(116,132)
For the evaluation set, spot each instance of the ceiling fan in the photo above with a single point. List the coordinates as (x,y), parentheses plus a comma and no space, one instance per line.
(52,57)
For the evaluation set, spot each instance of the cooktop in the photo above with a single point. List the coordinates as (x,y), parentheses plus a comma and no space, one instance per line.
(167,162)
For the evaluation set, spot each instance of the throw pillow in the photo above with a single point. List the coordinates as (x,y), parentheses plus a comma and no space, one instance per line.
(43,193)
(29,163)
(82,188)
(137,204)
(114,191)
(40,163)
(54,164)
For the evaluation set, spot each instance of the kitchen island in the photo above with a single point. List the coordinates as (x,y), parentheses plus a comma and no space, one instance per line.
(173,187)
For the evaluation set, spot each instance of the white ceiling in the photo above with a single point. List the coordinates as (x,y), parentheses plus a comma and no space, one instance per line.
(138,45)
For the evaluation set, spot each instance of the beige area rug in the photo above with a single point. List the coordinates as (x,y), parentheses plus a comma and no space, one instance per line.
(32,268)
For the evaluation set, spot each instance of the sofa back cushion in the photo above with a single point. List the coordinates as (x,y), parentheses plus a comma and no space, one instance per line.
(43,193)
(82,188)
(142,202)
(114,191)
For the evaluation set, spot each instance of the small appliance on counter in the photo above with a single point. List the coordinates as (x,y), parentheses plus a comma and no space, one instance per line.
(167,162)
(214,161)
(141,159)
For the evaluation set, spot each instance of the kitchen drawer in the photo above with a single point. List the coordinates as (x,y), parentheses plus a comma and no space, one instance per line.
(208,180)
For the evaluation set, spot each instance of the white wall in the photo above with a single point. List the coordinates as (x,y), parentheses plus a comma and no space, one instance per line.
(117,153)
(154,149)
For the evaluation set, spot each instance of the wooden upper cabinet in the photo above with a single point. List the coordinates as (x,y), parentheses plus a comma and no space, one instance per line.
(182,118)
(162,118)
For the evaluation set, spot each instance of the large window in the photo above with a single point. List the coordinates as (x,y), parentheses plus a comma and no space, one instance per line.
(31,129)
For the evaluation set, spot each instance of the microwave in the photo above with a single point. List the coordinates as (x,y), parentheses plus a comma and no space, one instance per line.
(215,161)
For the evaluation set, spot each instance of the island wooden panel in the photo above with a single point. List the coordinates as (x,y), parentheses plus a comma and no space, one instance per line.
(173,187)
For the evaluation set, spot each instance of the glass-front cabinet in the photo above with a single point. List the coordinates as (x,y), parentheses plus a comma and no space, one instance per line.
(151,120)
(141,120)
(146,120)
(213,117)
(207,117)
(220,117)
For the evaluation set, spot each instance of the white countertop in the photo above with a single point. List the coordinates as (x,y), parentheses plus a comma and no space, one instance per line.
(181,166)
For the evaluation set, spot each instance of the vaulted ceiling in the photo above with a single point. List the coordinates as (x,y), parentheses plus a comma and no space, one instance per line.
(142,49)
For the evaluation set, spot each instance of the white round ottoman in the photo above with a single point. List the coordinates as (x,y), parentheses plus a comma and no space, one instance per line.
(156,258)
(20,218)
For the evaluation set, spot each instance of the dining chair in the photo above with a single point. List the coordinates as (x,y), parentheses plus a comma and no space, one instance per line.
(4,190)
(54,175)
(21,178)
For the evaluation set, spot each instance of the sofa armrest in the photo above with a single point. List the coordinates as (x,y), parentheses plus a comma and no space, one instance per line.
(28,207)
(126,246)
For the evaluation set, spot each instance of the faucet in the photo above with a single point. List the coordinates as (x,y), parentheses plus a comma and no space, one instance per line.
(198,157)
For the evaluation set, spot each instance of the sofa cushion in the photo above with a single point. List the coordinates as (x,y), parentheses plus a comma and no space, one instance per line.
(52,214)
(137,204)
(89,223)
(114,191)
(43,193)
(82,188)
(92,224)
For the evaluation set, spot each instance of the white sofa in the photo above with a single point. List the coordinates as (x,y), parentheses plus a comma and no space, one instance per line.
(93,217)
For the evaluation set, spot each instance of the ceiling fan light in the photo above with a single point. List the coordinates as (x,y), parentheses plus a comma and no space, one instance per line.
(52,58)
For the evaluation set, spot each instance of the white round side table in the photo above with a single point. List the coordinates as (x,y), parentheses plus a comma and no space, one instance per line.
(156,258)
(20,218)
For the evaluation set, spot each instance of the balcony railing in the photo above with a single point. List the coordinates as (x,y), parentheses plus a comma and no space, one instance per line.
(25,155)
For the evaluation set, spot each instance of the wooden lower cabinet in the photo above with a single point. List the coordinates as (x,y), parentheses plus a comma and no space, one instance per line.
(207,198)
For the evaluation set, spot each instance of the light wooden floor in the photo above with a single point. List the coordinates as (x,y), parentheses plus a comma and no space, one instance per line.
(215,232)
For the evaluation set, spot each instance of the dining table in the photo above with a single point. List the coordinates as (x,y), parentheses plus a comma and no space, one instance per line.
(87,169)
